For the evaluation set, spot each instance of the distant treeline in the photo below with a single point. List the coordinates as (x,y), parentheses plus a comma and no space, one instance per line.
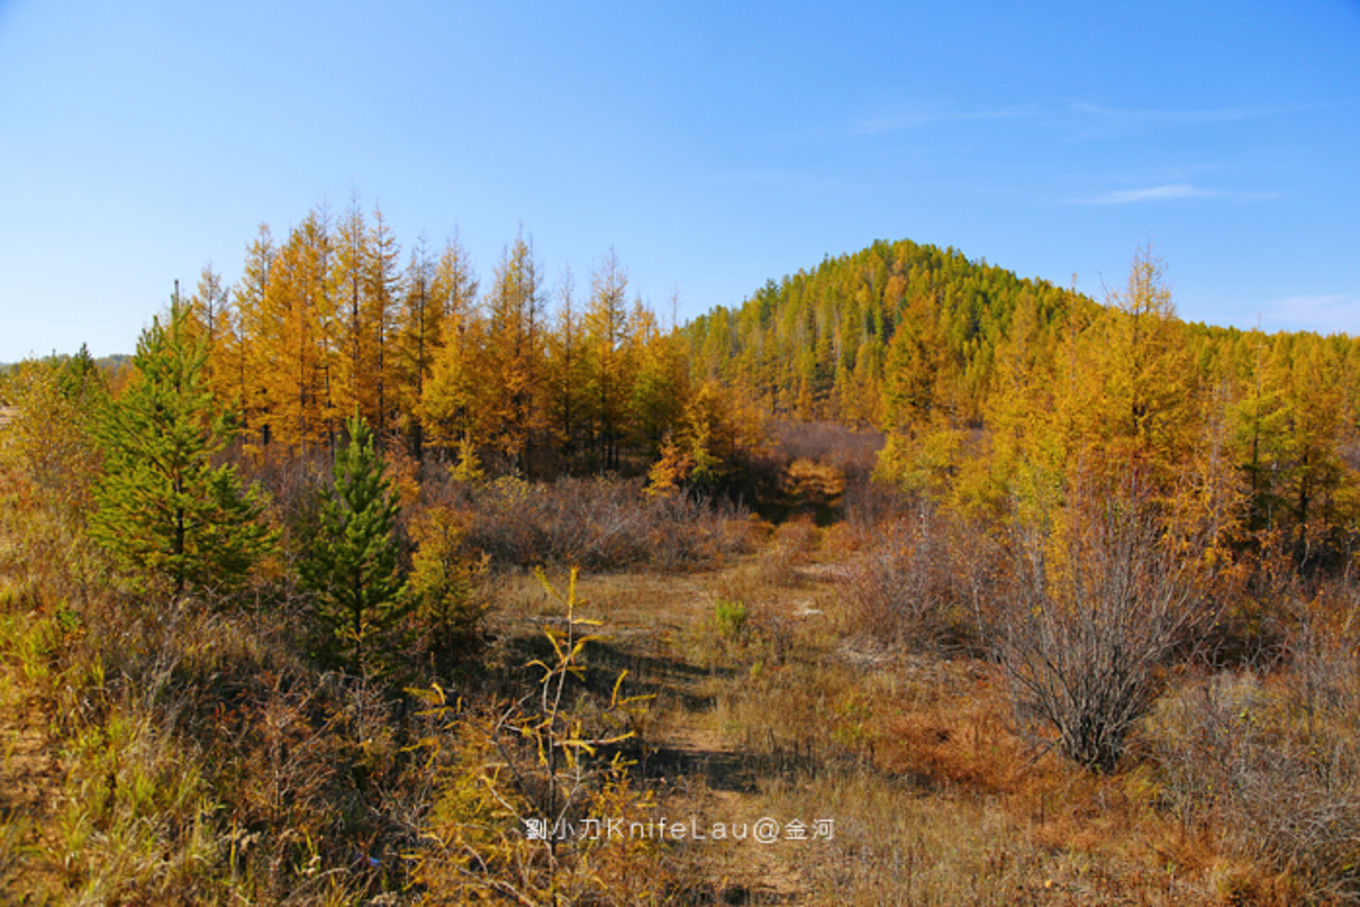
(111,365)
(994,391)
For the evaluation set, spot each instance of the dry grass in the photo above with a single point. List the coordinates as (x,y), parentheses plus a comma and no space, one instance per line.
(936,798)
(206,759)
(794,544)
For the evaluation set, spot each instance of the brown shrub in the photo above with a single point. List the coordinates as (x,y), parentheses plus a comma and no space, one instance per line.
(921,583)
(1271,766)
(594,524)
(1094,608)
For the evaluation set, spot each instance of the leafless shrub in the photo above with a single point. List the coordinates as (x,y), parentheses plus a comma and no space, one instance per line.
(1094,607)
(596,524)
(1273,769)
(1234,770)
(691,530)
(921,583)
(870,504)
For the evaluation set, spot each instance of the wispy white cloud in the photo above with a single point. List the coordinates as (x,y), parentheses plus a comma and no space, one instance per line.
(1152,194)
(1334,313)
(1172,192)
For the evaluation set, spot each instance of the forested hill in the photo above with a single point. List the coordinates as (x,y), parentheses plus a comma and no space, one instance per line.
(995,390)
(818,345)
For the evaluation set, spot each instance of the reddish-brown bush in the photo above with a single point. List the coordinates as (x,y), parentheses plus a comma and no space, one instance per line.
(595,524)
(922,583)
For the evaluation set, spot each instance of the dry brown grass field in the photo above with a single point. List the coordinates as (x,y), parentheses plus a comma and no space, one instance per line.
(784,708)
(934,799)
(188,755)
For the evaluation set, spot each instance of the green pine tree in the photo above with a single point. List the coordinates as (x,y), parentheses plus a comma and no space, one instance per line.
(352,565)
(163,510)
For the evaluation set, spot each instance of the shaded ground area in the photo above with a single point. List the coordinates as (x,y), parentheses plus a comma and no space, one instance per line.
(814,489)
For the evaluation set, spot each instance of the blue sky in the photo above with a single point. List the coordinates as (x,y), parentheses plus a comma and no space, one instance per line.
(712,145)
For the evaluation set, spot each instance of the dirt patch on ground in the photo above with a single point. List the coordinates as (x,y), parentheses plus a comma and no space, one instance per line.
(661,630)
(30,786)
(28,772)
